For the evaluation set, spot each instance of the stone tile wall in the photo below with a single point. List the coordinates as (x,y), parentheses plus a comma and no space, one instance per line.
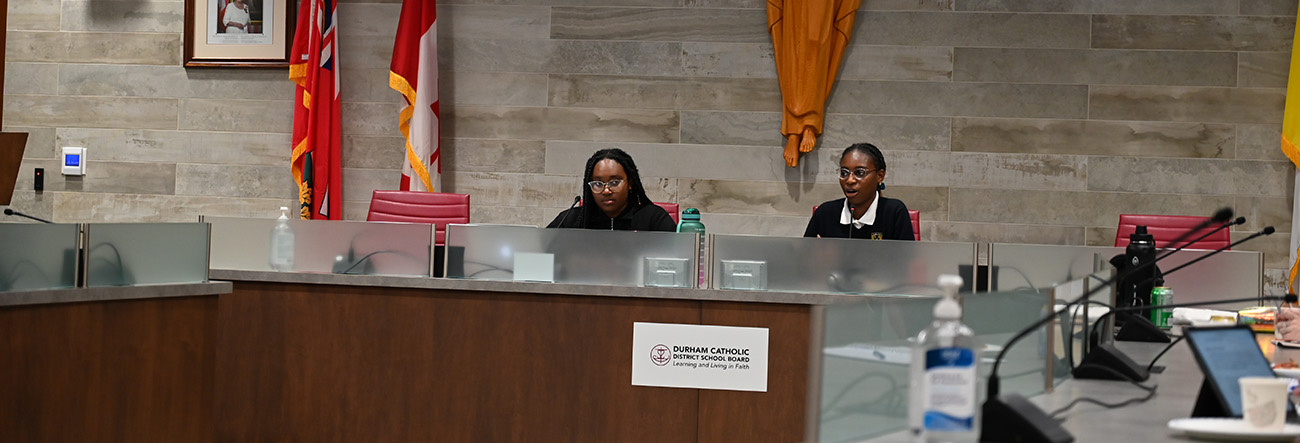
(1032,121)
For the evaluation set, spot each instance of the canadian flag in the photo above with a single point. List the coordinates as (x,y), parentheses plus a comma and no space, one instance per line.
(414,73)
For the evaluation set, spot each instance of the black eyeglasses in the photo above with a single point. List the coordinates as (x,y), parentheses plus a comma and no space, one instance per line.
(599,186)
(860,173)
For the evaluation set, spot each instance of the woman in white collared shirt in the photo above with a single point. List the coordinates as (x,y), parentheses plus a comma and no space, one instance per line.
(863,212)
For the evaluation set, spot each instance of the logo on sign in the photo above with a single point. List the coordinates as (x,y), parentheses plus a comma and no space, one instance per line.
(661,355)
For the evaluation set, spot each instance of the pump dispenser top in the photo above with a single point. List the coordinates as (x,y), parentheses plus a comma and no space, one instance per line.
(948,308)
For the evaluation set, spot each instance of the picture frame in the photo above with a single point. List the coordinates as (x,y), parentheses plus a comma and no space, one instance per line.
(254,33)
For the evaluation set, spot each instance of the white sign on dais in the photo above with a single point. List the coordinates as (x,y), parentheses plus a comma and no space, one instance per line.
(699,356)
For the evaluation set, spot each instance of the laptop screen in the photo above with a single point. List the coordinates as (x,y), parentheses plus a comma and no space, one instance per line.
(1225,355)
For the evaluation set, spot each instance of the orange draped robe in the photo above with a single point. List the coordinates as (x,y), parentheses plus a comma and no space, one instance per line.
(809,37)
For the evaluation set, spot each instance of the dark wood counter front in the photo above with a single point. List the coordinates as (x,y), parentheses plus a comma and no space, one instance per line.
(347,363)
(306,357)
(110,369)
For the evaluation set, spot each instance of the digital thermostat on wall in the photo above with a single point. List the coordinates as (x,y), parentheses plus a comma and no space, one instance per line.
(74,161)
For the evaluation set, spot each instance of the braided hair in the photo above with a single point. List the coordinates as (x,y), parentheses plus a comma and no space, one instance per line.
(870,150)
(636,196)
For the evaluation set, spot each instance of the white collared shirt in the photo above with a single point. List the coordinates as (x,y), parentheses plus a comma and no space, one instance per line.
(868,218)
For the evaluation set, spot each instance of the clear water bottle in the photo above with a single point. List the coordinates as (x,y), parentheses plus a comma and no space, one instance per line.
(944,395)
(691,223)
(282,242)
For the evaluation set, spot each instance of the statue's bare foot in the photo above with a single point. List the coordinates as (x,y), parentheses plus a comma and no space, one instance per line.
(792,151)
(809,141)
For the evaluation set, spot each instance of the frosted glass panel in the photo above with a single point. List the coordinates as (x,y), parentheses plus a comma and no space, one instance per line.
(37,256)
(845,265)
(1230,274)
(119,254)
(325,246)
(580,255)
(866,354)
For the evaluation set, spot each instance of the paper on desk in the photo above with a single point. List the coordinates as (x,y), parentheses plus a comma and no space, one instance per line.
(1094,312)
(1195,316)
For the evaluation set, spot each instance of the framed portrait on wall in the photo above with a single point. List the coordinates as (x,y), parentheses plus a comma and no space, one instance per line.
(238,33)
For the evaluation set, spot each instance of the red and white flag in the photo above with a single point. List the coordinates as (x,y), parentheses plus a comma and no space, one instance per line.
(414,73)
(317,131)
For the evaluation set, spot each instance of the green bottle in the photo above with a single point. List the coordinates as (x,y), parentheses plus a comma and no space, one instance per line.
(691,223)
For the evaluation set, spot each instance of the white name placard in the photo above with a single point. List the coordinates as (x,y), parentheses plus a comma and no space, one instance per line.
(699,356)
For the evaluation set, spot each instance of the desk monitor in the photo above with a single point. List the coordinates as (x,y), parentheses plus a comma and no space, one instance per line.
(1225,354)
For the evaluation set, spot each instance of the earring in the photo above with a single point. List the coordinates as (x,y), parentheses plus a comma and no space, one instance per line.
(881,186)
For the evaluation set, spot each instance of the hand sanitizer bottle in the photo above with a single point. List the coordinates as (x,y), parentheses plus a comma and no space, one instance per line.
(282,242)
(944,404)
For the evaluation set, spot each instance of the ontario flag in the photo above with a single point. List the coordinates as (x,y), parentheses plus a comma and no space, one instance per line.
(317,140)
(414,73)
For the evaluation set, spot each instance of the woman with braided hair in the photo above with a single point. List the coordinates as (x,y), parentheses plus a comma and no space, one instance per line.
(613,198)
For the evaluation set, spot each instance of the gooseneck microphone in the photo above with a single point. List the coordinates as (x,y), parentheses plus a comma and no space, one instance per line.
(1012,417)
(1220,216)
(1105,361)
(1262,232)
(1135,290)
(1238,221)
(13,212)
(569,212)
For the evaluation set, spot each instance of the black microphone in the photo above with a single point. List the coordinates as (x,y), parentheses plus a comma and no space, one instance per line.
(1135,290)
(1106,362)
(345,264)
(1219,216)
(1262,232)
(13,212)
(1238,221)
(1012,417)
(569,212)
(1224,213)
(1138,328)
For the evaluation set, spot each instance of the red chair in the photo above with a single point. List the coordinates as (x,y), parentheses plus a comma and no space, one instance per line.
(437,208)
(672,210)
(916,223)
(1167,228)
(912,214)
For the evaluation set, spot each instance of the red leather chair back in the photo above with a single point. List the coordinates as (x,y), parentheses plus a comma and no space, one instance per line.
(1167,228)
(437,208)
(672,210)
(916,223)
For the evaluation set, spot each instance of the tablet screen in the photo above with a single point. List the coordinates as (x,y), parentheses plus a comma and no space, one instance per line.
(1225,355)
